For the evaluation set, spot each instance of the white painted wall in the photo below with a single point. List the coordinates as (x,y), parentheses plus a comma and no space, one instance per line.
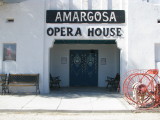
(75,4)
(143,33)
(27,31)
(117,4)
(85,4)
(110,52)
(88,5)
(154,1)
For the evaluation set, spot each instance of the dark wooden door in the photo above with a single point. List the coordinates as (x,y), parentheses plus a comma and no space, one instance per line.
(83,68)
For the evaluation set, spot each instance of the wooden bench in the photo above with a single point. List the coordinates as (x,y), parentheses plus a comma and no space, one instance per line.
(23,80)
(3,78)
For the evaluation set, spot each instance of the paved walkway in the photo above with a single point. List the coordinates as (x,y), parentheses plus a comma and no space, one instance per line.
(91,100)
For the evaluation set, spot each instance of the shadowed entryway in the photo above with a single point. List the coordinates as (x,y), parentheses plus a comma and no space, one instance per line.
(84,63)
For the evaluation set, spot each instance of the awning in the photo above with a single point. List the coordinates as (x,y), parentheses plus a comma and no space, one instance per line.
(85,42)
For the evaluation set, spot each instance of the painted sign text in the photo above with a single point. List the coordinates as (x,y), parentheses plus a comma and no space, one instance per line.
(85,16)
(91,32)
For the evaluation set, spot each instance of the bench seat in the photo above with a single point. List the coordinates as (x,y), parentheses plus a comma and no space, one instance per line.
(23,80)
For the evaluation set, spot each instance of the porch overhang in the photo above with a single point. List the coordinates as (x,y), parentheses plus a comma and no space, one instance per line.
(85,42)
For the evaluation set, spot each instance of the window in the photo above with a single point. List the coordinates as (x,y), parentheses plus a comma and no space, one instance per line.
(9,51)
(157,52)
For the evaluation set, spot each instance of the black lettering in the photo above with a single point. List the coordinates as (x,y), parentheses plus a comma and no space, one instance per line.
(78,32)
(91,32)
(119,32)
(112,32)
(63,31)
(98,32)
(69,31)
(106,31)
(50,31)
(56,30)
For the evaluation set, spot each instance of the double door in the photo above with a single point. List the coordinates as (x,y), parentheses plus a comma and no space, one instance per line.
(84,68)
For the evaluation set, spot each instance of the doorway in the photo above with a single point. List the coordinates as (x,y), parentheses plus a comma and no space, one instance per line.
(106,62)
(84,68)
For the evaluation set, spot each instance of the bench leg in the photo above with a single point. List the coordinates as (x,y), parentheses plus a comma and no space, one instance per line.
(5,89)
(37,89)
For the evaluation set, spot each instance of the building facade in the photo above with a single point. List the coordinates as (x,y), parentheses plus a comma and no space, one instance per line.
(82,41)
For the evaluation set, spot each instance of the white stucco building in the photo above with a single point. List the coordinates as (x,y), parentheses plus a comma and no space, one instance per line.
(66,49)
